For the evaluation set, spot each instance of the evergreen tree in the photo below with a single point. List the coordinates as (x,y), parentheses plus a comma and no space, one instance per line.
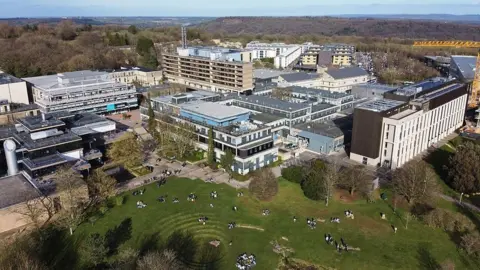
(211,148)
(152,123)
(227,161)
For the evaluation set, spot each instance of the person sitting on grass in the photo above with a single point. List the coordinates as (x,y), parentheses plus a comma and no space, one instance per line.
(192,197)
(266,212)
(235,209)
(176,200)
(161,199)
(231,225)
(141,204)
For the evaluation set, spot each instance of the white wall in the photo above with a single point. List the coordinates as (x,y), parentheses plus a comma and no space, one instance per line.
(14,92)
(73,155)
(413,134)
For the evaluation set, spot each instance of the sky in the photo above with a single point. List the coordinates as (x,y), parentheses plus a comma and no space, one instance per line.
(58,8)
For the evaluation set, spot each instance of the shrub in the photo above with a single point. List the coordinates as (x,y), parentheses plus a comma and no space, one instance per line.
(119,200)
(264,185)
(293,174)
(448,221)
(471,243)
(103,209)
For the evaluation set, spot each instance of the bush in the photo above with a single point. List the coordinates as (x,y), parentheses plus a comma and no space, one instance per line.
(471,243)
(119,200)
(264,185)
(293,174)
(448,221)
(103,209)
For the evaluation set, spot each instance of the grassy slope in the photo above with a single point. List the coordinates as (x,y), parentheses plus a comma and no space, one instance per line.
(417,247)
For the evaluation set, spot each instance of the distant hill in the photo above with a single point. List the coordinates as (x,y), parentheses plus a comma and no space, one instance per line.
(331,26)
(468,19)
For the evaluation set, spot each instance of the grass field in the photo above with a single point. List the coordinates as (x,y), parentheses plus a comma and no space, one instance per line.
(419,247)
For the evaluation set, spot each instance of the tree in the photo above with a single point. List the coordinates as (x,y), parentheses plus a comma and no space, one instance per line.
(184,138)
(408,216)
(282,93)
(356,178)
(150,60)
(470,242)
(152,123)
(211,148)
(164,260)
(72,194)
(38,211)
(293,174)
(101,186)
(415,182)
(127,150)
(132,29)
(66,30)
(463,169)
(144,45)
(264,185)
(227,161)
(321,181)
(93,249)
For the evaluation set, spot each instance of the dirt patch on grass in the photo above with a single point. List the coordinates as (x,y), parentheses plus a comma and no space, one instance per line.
(344,196)
(370,226)
(246,226)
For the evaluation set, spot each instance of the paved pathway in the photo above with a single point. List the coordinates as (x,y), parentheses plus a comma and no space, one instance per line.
(463,204)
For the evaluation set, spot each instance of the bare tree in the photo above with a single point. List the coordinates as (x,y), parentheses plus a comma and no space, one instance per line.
(408,217)
(184,139)
(66,30)
(264,185)
(37,211)
(165,260)
(127,150)
(415,181)
(282,93)
(73,197)
(356,178)
(330,180)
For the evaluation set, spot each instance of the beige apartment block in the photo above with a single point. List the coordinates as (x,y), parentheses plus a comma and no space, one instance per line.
(140,75)
(204,73)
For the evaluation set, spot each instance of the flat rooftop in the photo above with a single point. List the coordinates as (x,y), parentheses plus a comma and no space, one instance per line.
(263,73)
(68,79)
(380,105)
(321,107)
(265,117)
(37,123)
(214,110)
(437,93)
(419,87)
(26,141)
(323,129)
(16,189)
(84,119)
(402,114)
(7,78)
(190,96)
(319,92)
(128,68)
(271,102)
(7,132)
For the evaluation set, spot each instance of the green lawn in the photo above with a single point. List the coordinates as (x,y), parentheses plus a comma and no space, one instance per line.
(419,247)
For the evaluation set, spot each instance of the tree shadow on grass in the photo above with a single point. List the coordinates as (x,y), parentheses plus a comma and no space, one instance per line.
(57,249)
(184,245)
(439,159)
(150,242)
(118,235)
(425,258)
(209,257)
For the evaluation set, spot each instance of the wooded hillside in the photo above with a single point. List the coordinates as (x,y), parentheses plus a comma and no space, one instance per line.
(329,26)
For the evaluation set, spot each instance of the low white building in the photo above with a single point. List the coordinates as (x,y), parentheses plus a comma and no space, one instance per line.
(288,57)
(341,79)
(140,75)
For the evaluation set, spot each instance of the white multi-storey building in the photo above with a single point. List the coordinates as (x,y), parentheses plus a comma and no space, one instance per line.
(82,91)
(392,132)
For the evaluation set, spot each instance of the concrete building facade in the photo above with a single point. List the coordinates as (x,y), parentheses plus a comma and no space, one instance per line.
(82,91)
(208,70)
(14,90)
(139,75)
(391,132)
